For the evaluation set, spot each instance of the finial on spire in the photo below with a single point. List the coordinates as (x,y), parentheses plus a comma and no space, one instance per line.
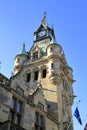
(24,45)
(23,49)
(45,13)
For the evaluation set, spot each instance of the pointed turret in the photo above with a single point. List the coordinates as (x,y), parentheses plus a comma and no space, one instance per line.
(23,50)
(53,40)
(20,59)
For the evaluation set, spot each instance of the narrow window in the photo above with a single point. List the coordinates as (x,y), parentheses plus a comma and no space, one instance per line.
(12,115)
(13,103)
(39,121)
(44,73)
(36,75)
(51,49)
(51,65)
(42,124)
(19,106)
(37,118)
(18,119)
(35,55)
(28,77)
(15,111)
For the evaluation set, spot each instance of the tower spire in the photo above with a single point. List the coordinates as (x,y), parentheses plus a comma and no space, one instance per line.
(44,20)
(23,49)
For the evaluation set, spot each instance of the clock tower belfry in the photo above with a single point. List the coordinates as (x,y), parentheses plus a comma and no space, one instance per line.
(45,65)
(44,30)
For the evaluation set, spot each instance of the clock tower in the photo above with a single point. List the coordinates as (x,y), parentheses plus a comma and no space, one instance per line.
(45,65)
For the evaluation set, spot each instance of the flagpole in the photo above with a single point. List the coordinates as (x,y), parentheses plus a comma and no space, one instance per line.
(72,116)
(70,123)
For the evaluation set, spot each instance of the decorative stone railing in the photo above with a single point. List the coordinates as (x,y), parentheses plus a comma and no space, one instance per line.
(52,115)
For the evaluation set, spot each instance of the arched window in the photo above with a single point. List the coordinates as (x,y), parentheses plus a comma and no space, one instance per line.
(35,55)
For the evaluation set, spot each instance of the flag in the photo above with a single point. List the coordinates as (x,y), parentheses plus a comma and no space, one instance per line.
(77,115)
(85,127)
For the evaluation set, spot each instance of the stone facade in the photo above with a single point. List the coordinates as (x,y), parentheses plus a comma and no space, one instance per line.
(5,98)
(40,93)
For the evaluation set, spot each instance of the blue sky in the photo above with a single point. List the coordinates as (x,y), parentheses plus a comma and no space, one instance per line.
(20,18)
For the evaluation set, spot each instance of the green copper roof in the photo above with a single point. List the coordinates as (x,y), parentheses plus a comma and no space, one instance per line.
(23,50)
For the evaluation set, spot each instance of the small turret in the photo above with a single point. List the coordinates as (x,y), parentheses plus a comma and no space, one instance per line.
(54,52)
(54,48)
(19,60)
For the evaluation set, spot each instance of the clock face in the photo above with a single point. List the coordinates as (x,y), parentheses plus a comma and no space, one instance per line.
(42,33)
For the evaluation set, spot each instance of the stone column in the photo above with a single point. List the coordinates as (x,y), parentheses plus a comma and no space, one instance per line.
(59,101)
(32,75)
(40,74)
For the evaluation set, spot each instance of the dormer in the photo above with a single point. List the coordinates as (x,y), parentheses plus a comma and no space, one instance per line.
(35,53)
